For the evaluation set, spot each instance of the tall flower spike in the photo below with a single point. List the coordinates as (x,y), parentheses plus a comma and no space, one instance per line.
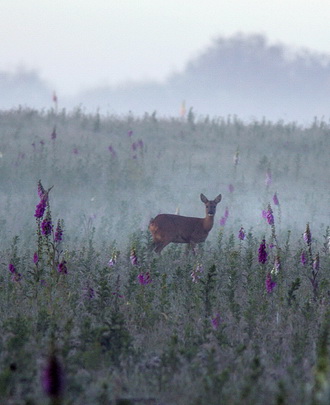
(262,257)
(46,226)
(316,262)
(40,208)
(144,278)
(307,235)
(58,232)
(275,199)
(277,266)
(61,268)
(11,268)
(53,378)
(133,257)
(41,190)
(215,322)
(35,258)
(223,221)
(241,234)
(269,283)
(269,215)
(303,258)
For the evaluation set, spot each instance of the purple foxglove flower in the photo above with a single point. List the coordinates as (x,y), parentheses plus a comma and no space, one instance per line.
(52,378)
(133,258)
(223,221)
(46,226)
(40,208)
(144,278)
(58,237)
(241,234)
(112,151)
(134,146)
(130,133)
(307,235)
(303,258)
(215,322)
(11,268)
(270,284)
(35,258)
(275,199)
(270,217)
(264,214)
(277,266)
(231,188)
(262,252)
(16,277)
(61,268)
(226,215)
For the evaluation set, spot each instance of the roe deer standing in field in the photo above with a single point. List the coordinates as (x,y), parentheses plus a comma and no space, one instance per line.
(167,228)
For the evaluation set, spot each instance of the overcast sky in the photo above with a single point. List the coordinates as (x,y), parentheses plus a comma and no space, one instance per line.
(78,44)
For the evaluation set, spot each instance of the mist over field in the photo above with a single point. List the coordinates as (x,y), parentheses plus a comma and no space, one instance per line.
(243,75)
(116,173)
(90,314)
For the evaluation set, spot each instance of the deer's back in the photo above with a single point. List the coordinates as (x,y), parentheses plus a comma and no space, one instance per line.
(177,228)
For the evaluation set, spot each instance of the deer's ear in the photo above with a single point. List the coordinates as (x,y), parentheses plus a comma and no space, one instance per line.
(204,199)
(218,199)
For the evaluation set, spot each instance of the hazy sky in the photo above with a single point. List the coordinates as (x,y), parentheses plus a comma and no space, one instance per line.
(76,44)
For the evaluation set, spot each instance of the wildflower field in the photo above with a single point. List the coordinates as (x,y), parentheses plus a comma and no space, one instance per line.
(91,315)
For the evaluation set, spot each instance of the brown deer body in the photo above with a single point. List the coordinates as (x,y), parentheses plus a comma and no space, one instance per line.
(167,228)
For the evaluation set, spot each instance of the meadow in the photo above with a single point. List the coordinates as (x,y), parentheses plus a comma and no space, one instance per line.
(91,315)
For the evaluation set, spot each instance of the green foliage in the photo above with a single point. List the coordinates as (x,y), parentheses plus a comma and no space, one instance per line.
(201,327)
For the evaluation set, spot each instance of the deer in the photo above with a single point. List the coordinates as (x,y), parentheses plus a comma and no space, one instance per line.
(171,228)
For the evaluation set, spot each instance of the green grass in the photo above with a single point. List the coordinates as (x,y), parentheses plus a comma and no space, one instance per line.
(222,339)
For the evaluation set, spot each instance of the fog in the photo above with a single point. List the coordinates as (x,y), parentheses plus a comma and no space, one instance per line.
(241,75)
(113,174)
(123,155)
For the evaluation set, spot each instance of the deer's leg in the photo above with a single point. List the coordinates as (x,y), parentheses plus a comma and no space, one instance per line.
(191,248)
(159,246)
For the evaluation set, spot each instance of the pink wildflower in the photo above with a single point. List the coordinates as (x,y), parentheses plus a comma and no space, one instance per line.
(241,234)
(216,322)
(307,235)
(275,199)
(53,378)
(35,258)
(144,278)
(262,252)
(133,257)
(270,284)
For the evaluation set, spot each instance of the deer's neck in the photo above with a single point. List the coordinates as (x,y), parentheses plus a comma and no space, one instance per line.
(208,222)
